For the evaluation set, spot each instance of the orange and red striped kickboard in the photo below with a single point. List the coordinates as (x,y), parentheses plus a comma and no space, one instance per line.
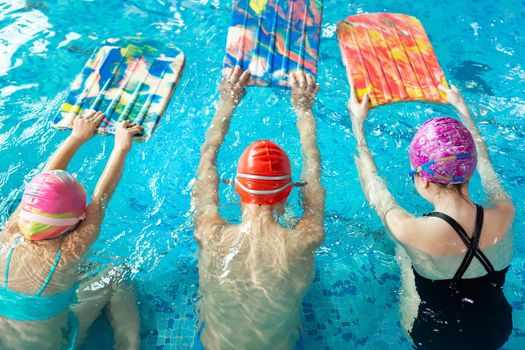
(389,56)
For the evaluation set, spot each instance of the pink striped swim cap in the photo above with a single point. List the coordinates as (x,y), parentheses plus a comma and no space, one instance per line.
(443,151)
(53,202)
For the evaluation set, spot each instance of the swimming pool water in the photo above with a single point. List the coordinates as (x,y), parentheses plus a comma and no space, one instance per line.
(354,300)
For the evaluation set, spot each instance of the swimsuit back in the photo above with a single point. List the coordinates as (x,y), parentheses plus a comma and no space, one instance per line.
(26,307)
(472,244)
(454,312)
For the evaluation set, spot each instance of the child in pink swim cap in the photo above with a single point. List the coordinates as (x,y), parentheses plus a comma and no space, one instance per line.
(43,243)
(456,256)
(53,203)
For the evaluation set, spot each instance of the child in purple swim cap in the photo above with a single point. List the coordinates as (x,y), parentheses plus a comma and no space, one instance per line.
(44,302)
(457,256)
(443,151)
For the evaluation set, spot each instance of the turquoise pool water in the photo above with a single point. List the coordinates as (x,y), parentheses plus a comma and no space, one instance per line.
(354,301)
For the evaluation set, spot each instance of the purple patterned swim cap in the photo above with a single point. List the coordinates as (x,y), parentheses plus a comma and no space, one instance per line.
(443,151)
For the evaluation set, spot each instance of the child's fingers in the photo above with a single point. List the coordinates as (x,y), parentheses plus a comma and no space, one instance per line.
(316,90)
(365,100)
(312,86)
(293,79)
(442,88)
(245,76)
(310,81)
(88,114)
(353,96)
(136,130)
(301,78)
(97,118)
(134,126)
(237,71)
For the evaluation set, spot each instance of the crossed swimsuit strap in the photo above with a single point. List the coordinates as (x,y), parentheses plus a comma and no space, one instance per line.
(49,276)
(470,243)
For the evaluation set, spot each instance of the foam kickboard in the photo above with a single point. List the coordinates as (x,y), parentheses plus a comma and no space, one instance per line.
(389,56)
(129,79)
(272,38)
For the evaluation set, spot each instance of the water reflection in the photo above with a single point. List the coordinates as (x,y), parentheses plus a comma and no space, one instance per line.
(24,26)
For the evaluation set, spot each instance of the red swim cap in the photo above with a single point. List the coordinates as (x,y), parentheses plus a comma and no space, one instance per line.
(264,174)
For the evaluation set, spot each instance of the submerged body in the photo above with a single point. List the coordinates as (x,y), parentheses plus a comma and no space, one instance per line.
(44,303)
(26,277)
(470,309)
(253,276)
(464,314)
(252,282)
(453,260)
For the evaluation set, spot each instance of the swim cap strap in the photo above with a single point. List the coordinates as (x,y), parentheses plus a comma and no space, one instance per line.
(260,177)
(27,216)
(426,167)
(263,192)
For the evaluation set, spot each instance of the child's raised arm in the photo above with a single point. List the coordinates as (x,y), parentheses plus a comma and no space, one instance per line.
(87,233)
(489,179)
(83,130)
(205,196)
(304,90)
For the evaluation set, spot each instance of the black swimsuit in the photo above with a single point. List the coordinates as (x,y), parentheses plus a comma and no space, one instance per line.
(461,313)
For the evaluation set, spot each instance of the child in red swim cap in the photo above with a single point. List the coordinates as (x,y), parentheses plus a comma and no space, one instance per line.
(264,174)
(43,244)
(457,256)
(256,273)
